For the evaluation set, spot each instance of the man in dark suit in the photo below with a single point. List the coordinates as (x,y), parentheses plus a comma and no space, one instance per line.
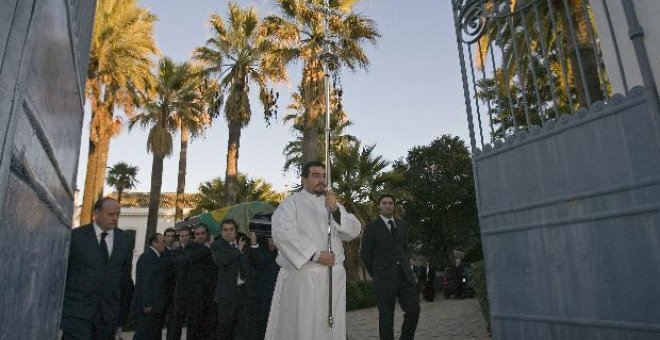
(266,276)
(98,276)
(150,289)
(385,254)
(195,273)
(426,283)
(235,289)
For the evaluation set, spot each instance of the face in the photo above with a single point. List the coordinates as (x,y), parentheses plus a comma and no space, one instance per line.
(184,237)
(229,232)
(201,235)
(386,206)
(159,244)
(108,216)
(170,236)
(315,182)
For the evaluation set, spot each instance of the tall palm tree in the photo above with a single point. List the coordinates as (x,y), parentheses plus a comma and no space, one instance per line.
(301,34)
(121,176)
(192,125)
(173,95)
(239,53)
(120,59)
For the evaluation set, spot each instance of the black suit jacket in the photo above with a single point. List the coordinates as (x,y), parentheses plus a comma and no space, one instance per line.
(91,283)
(195,273)
(382,253)
(150,282)
(229,261)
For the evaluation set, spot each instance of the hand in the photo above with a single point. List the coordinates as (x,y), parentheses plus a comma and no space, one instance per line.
(253,238)
(240,244)
(326,259)
(146,310)
(330,201)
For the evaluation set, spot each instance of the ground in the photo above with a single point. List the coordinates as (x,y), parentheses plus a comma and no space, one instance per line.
(441,320)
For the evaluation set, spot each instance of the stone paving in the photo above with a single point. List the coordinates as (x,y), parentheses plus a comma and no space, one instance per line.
(441,319)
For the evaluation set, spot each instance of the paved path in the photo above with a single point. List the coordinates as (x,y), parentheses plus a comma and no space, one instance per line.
(441,319)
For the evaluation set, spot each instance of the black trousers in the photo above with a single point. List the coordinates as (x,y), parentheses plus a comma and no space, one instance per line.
(87,329)
(194,314)
(236,318)
(399,288)
(149,326)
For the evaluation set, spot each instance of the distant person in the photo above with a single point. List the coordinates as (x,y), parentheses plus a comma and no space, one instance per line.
(235,290)
(267,271)
(169,271)
(150,291)
(170,238)
(299,308)
(457,274)
(385,254)
(427,282)
(98,276)
(192,299)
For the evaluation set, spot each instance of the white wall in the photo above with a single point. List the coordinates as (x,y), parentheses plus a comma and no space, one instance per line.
(648,12)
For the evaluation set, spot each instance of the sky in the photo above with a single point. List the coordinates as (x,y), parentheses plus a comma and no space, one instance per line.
(410,94)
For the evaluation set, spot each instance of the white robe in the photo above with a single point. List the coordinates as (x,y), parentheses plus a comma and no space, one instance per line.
(299,310)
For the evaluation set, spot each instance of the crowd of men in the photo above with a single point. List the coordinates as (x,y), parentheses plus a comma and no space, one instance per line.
(214,289)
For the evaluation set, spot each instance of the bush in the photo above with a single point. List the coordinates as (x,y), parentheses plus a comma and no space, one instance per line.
(480,290)
(360,294)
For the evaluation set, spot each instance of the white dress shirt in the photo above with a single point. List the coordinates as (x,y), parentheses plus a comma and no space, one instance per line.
(386,220)
(109,239)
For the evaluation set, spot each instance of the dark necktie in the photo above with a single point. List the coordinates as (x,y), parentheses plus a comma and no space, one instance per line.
(392,227)
(240,270)
(104,246)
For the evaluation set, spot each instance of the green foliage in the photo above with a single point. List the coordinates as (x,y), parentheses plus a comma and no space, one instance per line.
(360,294)
(121,176)
(212,194)
(480,290)
(437,198)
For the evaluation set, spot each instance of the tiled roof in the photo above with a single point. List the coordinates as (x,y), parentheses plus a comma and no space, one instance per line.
(167,199)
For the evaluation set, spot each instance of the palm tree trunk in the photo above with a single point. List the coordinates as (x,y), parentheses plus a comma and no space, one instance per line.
(312,91)
(90,196)
(119,193)
(231,180)
(181,180)
(103,148)
(310,136)
(154,196)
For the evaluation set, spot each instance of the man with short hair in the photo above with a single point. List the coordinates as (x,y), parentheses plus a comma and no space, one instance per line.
(170,238)
(300,303)
(385,254)
(235,288)
(150,291)
(98,276)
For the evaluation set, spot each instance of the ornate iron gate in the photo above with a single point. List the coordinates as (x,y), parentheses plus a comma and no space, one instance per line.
(43,61)
(567,174)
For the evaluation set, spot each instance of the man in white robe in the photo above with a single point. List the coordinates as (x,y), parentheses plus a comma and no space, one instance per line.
(299,308)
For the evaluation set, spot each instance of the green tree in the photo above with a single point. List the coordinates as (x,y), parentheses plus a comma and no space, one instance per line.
(440,203)
(173,95)
(121,176)
(241,55)
(300,33)
(212,194)
(357,175)
(122,46)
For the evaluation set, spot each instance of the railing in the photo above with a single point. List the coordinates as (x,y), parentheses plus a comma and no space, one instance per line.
(525,63)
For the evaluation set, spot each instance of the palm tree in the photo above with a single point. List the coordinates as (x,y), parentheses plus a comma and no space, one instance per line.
(175,94)
(121,176)
(239,53)
(358,174)
(212,193)
(301,35)
(192,125)
(120,59)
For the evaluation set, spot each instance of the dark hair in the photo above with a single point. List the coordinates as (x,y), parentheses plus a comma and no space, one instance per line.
(153,238)
(202,225)
(229,221)
(185,229)
(305,168)
(99,204)
(168,230)
(386,196)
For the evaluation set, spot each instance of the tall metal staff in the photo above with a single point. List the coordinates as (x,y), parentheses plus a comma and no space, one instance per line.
(326,59)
